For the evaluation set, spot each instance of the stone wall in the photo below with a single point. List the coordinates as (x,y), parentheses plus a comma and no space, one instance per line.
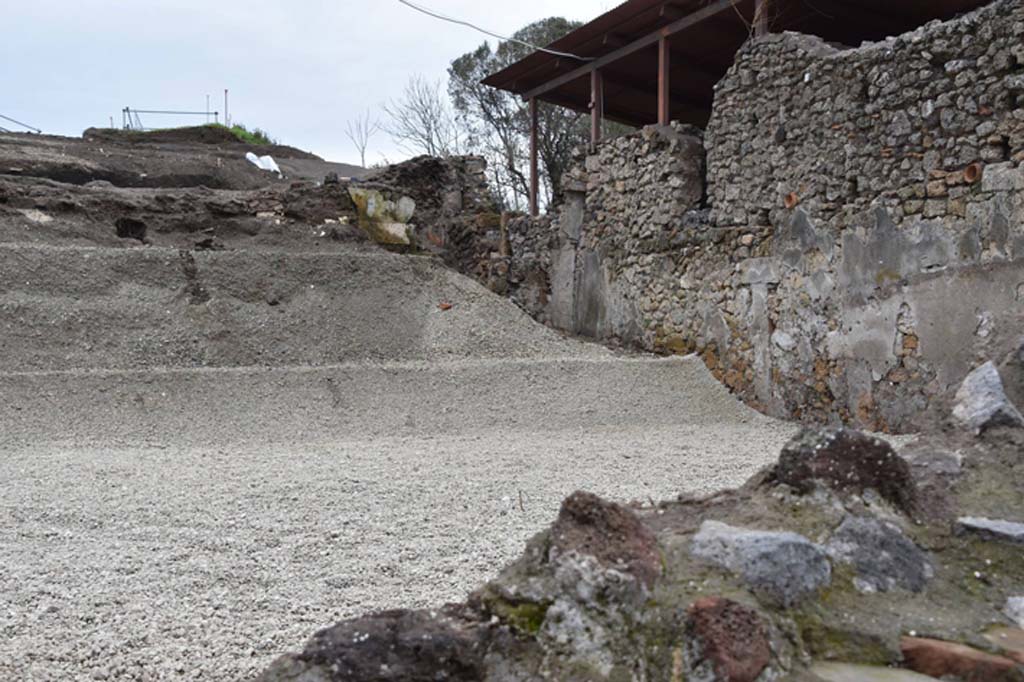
(454,215)
(626,209)
(858,245)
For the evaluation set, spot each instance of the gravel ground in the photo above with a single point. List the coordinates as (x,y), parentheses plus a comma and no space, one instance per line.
(190,490)
(205,564)
(234,540)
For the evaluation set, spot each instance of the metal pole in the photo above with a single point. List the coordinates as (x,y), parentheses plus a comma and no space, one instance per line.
(760,18)
(534,175)
(227,119)
(207,109)
(596,106)
(664,96)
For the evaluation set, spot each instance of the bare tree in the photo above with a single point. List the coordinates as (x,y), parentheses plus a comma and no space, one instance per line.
(498,122)
(422,121)
(360,131)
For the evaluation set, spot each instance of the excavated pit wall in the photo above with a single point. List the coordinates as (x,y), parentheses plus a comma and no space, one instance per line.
(853,247)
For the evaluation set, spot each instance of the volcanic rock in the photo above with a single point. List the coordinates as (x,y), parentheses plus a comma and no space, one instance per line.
(730,637)
(846,461)
(941,659)
(783,567)
(608,532)
(884,558)
(411,646)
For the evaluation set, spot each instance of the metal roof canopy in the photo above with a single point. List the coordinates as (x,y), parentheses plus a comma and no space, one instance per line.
(654,61)
(703,37)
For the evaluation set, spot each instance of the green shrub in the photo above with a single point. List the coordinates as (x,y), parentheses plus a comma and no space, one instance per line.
(255,136)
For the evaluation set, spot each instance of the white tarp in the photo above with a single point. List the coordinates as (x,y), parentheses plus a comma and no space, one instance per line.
(266,163)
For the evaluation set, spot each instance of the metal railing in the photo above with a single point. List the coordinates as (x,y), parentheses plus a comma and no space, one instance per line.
(130,119)
(32,129)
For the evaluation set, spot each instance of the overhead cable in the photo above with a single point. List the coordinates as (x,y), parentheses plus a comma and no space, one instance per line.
(442,17)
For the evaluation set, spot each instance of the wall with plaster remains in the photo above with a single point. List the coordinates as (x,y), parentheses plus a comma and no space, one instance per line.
(848,246)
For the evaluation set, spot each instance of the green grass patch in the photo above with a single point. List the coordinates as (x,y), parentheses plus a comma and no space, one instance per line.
(254,136)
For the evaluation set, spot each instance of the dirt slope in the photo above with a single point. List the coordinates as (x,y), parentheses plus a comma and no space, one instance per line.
(91,308)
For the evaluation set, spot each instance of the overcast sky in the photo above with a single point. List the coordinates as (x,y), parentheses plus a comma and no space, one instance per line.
(297,68)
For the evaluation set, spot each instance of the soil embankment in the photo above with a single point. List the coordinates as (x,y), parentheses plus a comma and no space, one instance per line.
(191,157)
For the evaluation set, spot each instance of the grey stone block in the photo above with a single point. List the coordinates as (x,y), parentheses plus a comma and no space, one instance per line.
(760,271)
(783,567)
(1002,177)
(884,558)
(992,529)
(981,402)
(1015,610)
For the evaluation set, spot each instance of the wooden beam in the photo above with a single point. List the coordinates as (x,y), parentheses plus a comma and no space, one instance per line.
(696,75)
(614,40)
(614,111)
(677,99)
(760,18)
(664,87)
(851,14)
(699,73)
(671,12)
(621,89)
(639,44)
(534,175)
(875,14)
(596,106)
(654,12)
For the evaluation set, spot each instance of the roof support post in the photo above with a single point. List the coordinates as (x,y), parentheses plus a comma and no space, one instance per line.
(664,84)
(760,18)
(534,175)
(596,106)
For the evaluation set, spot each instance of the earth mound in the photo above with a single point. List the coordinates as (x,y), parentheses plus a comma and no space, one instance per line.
(205,134)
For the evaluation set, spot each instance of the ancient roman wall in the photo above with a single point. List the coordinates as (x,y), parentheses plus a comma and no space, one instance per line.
(852,244)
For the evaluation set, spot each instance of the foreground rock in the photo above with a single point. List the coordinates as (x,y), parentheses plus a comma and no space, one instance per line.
(949,660)
(883,557)
(846,461)
(981,402)
(783,567)
(1015,610)
(998,529)
(394,645)
(811,572)
(730,638)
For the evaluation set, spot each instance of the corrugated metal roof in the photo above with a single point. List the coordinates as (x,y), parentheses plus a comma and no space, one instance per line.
(702,53)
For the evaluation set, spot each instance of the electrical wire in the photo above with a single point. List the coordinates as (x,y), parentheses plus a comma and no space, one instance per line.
(431,13)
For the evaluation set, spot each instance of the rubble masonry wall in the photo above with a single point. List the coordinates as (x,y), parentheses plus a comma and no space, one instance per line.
(848,250)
